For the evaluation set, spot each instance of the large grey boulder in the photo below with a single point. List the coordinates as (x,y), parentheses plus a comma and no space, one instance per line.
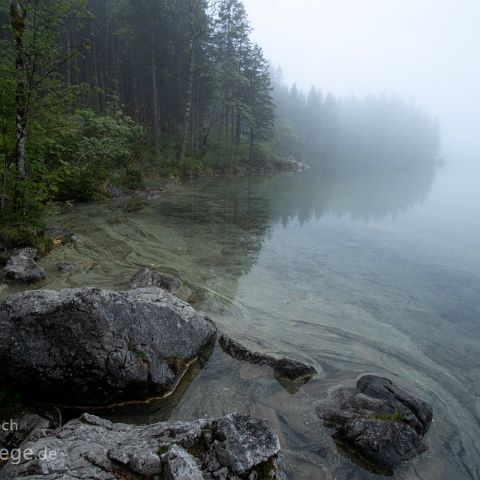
(23,268)
(88,346)
(147,277)
(231,448)
(377,423)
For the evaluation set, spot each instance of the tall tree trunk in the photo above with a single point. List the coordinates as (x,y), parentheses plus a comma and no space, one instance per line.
(252,142)
(3,195)
(95,72)
(188,106)
(239,129)
(69,52)
(18,18)
(156,109)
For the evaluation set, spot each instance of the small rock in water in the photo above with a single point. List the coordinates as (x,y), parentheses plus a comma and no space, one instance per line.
(59,235)
(232,447)
(23,268)
(28,253)
(115,192)
(377,424)
(294,165)
(67,267)
(282,367)
(147,277)
(149,194)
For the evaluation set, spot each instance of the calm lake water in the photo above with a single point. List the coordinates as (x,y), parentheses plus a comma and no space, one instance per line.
(353,273)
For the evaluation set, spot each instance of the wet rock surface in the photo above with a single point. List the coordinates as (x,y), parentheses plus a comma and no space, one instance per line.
(293,165)
(232,448)
(282,367)
(376,423)
(67,267)
(58,234)
(147,277)
(114,191)
(88,346)
(23,268)
(149,194)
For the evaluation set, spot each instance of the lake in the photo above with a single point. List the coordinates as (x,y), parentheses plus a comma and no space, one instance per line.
(354,272)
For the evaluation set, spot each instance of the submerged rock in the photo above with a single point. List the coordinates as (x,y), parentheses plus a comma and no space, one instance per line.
(293,165)
(59,235)
(67,267)
(149,194)
(23,268)
(114,192)
(233,447)
(377,423)
(92,346)
(147,277)
(282,367)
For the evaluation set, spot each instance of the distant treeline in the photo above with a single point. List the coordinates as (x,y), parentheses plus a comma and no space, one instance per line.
(349,132)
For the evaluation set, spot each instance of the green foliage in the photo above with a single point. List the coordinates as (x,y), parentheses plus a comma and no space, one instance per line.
(106,140)
(76,181)
(266,470)
(18,235)
(265,153)
(94,148)
(140,355)
(162,449)
(396,417)
(23,235)
(133,178)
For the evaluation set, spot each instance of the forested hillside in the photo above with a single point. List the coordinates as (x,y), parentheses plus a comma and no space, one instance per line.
(104,87)
(107,92)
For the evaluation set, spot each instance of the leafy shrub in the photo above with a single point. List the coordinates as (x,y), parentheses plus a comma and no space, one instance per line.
(133,178)
(93,148)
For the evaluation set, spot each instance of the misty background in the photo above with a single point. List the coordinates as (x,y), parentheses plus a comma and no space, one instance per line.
(422,51)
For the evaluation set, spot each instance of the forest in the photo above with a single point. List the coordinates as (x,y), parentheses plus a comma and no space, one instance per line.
(95,94)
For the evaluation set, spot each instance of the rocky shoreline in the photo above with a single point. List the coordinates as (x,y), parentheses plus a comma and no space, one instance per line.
(233,447)
(92,348)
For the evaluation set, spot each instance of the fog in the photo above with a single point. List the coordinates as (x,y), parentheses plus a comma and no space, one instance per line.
(425,51)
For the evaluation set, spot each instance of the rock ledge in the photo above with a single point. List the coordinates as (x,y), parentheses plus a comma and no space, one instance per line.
(234,447)
(282,367)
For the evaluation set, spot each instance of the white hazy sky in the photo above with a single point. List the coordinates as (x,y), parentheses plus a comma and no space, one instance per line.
(427,50)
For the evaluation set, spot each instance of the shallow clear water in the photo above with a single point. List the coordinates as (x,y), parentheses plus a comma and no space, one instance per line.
(372,272)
